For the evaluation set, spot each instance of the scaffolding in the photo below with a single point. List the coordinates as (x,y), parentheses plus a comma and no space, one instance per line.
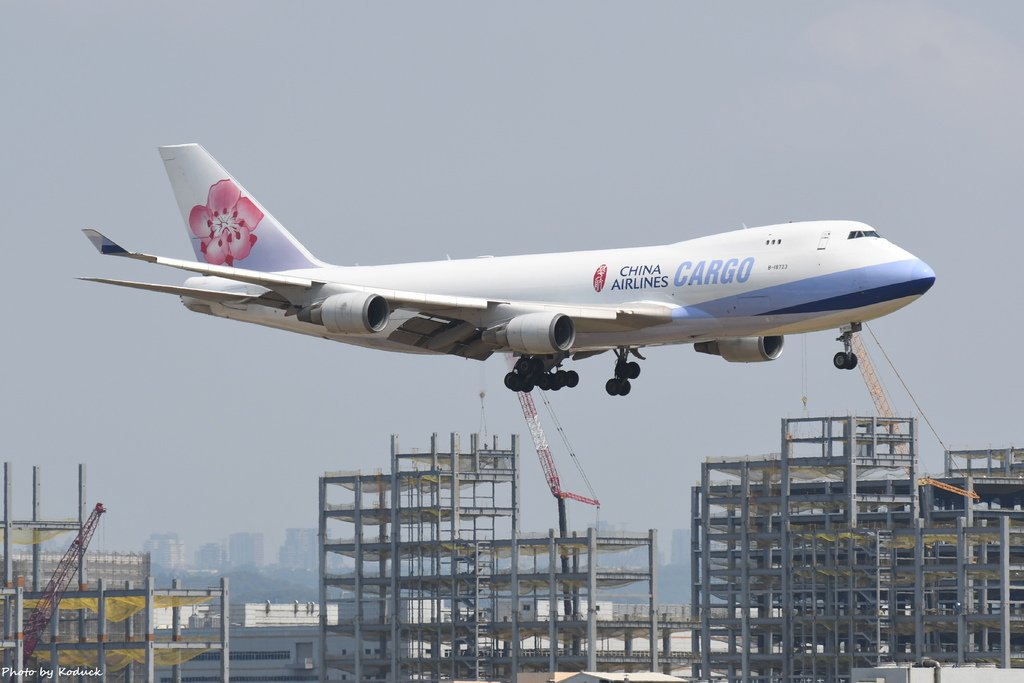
(102,624)
(444,586)
(829,556)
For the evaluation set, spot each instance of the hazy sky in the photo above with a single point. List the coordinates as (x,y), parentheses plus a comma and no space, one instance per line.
(388,132)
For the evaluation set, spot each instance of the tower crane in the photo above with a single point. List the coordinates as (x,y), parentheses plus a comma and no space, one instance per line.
(884,409)
(59,582)
(547,463)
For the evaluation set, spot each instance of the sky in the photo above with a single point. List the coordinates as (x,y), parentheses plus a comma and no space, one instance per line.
(393,132)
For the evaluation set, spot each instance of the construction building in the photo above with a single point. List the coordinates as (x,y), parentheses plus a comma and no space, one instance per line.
(445,586)
(834,554)
(107,615)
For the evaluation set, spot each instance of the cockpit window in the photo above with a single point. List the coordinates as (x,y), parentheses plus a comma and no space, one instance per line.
(862,233)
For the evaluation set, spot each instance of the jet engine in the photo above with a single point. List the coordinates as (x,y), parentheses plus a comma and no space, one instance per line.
(353,313)
(743,349)
(534,333)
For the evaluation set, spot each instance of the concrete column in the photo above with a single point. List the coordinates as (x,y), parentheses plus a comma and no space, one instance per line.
(8,525)
(83,573)
(8,566)
(322,540)
(591,599)
(652,559)
(515,552)
(225,631)
(787,549)
(705,572)
(129,636)
(150,624)
(919,607)
(1004,590)
(37,485)
(101,631)
(19,629)
(961,592)
(745,573)
(552,603)
(176,632)
(54,637)
(850,450)
(357,633)
(394,646)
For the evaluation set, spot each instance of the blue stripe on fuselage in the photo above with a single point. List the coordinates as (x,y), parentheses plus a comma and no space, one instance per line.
(847,289)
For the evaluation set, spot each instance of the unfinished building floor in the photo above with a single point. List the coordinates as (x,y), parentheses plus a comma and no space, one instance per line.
(833,554)
(443,585)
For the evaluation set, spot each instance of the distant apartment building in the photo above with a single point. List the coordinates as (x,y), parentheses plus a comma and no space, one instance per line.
(299,550)
(245,549)
(212,556)
(166,550)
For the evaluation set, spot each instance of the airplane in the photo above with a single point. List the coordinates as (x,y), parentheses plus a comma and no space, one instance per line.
(735,294)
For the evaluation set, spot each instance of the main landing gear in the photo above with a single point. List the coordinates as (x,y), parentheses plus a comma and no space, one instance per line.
(534,371)
(625,370)
(846,359)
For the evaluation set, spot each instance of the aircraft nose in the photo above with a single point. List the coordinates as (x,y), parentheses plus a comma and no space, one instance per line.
(922,276)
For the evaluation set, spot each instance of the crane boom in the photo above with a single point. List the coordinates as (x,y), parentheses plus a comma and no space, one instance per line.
(547,461)
(928,481)
(62,575)
(874,384)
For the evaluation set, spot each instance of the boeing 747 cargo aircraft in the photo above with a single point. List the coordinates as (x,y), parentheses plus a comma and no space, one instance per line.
(733,295)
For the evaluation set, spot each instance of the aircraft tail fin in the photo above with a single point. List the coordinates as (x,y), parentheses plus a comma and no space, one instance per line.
(227,226)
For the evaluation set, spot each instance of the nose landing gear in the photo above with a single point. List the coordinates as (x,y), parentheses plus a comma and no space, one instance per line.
(846,359)
(625,370)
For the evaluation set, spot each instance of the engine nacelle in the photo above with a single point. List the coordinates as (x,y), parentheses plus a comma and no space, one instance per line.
(353,313)
(534,333)
(743,349)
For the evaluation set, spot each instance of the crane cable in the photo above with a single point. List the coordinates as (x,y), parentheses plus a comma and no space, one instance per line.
(906,388)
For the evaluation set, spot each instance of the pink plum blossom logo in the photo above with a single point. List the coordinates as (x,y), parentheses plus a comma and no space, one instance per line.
(225,225)
(599,277)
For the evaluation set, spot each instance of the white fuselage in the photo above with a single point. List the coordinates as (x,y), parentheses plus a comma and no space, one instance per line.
(779,279)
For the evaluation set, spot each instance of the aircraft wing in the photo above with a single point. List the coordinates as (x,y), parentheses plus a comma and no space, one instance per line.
(440,322)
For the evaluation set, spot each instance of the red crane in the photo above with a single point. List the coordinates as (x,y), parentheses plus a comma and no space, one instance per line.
(62,575)
(547,463)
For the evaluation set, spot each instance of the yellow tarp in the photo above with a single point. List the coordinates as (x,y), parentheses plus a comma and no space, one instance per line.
(120,608)
(119,659)
(33,536)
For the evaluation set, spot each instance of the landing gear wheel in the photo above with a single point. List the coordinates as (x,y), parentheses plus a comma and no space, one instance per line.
(512,381)
(632,370)
(522,366)
(544,382)
(845,360)
(622,370)
(617,387)
(572,378)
